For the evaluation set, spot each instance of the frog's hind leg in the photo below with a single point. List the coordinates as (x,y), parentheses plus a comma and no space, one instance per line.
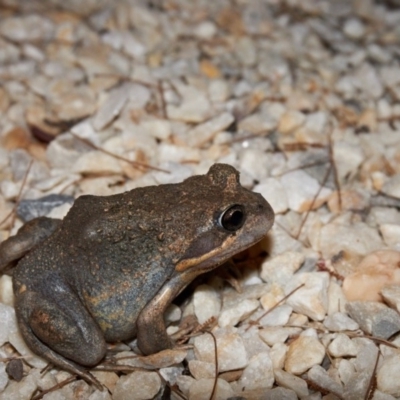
(28,236)
(62,331)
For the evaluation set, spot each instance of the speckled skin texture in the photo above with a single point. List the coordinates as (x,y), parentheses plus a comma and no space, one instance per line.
(108,271)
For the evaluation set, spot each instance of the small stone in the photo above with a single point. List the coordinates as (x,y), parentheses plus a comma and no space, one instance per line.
(96,395)
(194,106)
(368,81)
(312,298)
(390,293)
(3,376)
(391,234)
(8,323)
(374,318)
(375,270)
(138,385)
(158,128)
(231,351)
(354,28)
(281,268)
(304,353)
(388,376)
(258,374)
(392,186)
(318,376)
(201,369)
(204,132)
(171,374)
(277,334)
(32,28)
(290,121)
(346,370)
(348,157)
(358,384)
(23,389)
(202,389)
(342,346)
(278,393)
(257,124)
(107,378)
(301,190)
(278,355)
(273,190)
(162,359)
(336,298)
(218,90)
(277,317)
(6,294)
(340,322)
(97,162)
(30,209)
(292,382)
(233,315)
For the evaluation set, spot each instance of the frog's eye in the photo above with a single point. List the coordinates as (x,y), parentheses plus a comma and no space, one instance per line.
(232,218)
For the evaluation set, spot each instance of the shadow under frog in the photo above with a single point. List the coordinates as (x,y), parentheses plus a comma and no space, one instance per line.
(110,268)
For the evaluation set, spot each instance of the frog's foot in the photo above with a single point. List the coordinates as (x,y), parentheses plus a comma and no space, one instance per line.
(65,335)
(28,236)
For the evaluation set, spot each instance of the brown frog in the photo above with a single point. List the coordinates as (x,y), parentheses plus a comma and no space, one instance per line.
(110,268)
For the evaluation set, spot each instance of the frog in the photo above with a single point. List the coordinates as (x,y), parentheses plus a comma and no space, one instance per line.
(107,272)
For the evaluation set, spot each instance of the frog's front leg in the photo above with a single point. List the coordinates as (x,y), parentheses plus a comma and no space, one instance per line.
(28,236)
(61,330)
(152,336)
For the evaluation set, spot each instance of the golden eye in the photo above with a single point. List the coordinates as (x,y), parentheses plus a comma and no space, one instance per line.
(232,218)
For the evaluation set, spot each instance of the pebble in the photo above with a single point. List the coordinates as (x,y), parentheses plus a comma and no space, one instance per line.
(339,321)
(207,303)
(32,208)
(320,378)
(312,298)
(342,346)
(204,132)
(354,28)
(232,316)
(372,274)
(304,353)
(23,389)
(358,383)
(387,378)
(292,382)
(290,121)
(391,295)
(138,385)
(303,191)
(202,389)
(273,190)
(231,352)
(281,268)
(374,318)
(258,374)
(391,234)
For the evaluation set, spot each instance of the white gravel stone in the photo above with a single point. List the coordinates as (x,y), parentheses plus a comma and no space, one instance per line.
(391,294)
(21,390)
(8,323)
(292,382)
(290,121)
(304,353)
(342,346)
(6,293)
(231,351)
(354,28)
(312,298)
(280,269)
(369,81)
(207,303)
(232,316)
(320,378)
(194,106)
(339,321)
(278,355)
(391,235)
(388,376)
(201,369)
(202,389)
(301,190)
(204,132)
(278,334)
(3,376)
(138,385)
(258,374)
(273,190)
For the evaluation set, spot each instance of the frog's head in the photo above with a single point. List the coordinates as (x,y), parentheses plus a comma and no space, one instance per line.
(226,219)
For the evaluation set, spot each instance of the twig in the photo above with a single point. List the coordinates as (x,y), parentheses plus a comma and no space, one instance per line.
(335,173)
(12,212)
(55,387)
(275,306)
(216,366)
(372,382)
(135,164)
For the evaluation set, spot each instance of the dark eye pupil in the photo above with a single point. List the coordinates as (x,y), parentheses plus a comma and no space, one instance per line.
(233,218)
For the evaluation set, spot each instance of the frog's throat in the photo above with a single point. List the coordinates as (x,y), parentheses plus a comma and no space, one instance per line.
(216,256)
